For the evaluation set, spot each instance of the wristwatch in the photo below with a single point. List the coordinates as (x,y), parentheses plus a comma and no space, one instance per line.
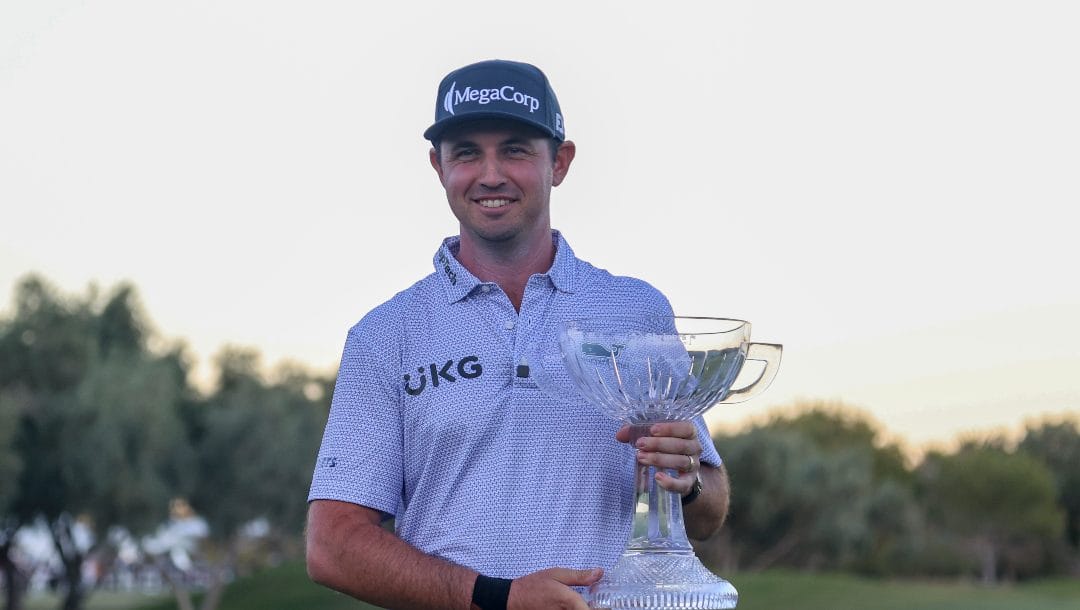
(695,491)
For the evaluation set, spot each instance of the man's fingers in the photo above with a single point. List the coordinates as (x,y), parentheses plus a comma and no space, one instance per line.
(575,578)
(673,430)
(674,446)
(549,589)
(677,429)
(679,462)
(680,485)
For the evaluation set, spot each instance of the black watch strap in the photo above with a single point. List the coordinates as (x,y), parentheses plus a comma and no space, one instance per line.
(491,593)
(695,491)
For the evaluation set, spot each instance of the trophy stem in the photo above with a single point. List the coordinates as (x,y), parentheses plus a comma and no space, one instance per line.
(658,570)
(658,520)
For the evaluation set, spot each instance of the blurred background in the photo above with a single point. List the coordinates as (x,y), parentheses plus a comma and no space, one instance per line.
(198,199)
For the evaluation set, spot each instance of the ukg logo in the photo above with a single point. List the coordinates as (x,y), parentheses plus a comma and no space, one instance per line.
(468,367)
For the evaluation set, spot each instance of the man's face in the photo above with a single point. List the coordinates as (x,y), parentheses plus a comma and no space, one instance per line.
(498,177)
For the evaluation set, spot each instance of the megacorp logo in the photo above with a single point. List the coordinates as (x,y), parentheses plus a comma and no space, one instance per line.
(505,93)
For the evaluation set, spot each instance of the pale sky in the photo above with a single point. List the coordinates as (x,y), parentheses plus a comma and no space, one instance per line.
(889,189)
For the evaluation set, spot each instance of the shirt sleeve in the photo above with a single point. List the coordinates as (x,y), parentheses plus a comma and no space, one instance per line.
(709,455)
(360,459)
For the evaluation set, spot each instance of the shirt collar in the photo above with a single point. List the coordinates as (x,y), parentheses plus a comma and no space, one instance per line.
(458,282)
(563,270)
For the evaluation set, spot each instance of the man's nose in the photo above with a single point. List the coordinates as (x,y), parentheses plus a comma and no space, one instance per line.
(491,175)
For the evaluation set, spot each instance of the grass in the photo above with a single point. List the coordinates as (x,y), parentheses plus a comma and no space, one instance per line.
(288,588)
(780,589)
(285,587)
(99,600)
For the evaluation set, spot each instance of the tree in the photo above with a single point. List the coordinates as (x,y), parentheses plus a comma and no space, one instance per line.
(784,506)
(10,462)
(256,443)
(97,431)
(833,427)
(818,489)
(1057,446)
(1001,506)
(13,578)
(43,353)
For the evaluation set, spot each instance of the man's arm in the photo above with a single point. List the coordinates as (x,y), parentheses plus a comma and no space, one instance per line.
(348,551)
(707,512)
(668,447)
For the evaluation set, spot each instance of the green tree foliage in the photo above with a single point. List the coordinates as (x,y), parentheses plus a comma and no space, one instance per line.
(256,441)
(10,469)
(123,443)
(818,489)
(1057,446)
(1001,507)
(44,348)
(784,508)
(96,431)
(10,461)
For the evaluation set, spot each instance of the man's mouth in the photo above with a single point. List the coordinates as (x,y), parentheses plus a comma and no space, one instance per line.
(493,203)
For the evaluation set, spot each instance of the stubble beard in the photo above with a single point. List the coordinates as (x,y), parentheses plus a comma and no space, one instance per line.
(508,241)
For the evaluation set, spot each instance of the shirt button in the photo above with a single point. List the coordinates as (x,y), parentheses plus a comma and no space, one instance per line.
(509,325)
(485,288)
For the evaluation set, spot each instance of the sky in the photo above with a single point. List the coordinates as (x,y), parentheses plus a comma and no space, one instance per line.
(889,189)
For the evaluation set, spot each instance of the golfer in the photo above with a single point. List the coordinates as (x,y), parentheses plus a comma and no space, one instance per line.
(501,496)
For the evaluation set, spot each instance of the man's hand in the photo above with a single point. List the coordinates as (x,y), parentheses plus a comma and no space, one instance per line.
(349,551)
(551,589)
(670,445)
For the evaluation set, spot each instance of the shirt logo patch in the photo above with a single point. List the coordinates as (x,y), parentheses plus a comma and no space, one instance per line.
(597,350)
(468,367)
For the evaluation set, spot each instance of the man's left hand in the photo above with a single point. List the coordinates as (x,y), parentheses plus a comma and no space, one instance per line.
(669,445)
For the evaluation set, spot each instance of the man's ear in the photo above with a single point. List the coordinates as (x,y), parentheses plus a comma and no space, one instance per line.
(563,157)
(433,156)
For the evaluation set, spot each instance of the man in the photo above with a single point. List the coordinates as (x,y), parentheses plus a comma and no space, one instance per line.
(503,497)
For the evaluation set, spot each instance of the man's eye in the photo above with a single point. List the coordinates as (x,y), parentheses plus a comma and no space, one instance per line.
(517,150)
(465,153)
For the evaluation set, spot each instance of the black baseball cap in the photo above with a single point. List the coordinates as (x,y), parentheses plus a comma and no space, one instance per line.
(497,89)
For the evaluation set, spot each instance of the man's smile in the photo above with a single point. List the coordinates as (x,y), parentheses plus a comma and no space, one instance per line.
(493,203)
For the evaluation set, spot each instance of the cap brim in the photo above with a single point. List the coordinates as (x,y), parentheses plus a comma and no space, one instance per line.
(435,132)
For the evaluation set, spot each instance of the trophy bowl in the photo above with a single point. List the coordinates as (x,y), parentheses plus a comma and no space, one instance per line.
(642,370)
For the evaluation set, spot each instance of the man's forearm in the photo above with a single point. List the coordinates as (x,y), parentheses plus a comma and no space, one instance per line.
(348,551)
(705,515)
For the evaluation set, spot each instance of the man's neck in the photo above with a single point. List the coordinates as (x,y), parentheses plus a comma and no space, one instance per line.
(508,264)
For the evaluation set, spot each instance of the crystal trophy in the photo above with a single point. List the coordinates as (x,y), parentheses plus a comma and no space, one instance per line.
(642,370)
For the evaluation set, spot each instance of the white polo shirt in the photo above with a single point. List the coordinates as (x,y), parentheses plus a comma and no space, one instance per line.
(433,422)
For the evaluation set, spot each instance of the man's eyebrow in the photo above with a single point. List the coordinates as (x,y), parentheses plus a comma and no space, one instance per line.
(516,140)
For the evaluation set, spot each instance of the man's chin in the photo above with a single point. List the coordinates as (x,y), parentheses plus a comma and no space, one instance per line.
(500,238)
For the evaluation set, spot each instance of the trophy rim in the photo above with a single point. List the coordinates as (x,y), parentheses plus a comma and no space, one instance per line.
(739,323)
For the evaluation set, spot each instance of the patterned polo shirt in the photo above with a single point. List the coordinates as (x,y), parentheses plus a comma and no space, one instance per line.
(435,423)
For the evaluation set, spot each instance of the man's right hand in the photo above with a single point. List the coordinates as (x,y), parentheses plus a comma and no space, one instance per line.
(550,589)
(349,551)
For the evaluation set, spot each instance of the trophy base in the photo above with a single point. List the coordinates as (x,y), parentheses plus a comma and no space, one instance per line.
(661,581)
